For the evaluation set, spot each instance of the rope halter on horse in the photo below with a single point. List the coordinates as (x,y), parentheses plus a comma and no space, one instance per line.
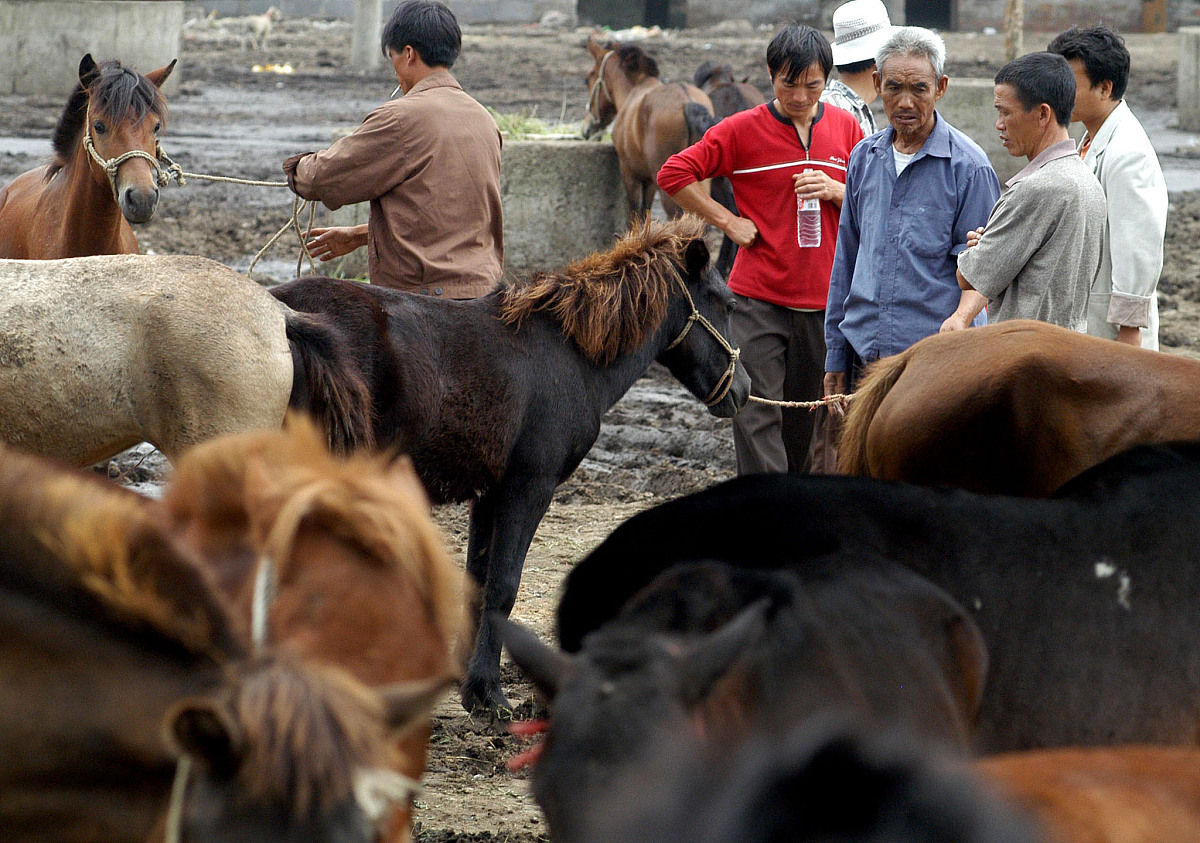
(164,168)
(726,382)
(599,87)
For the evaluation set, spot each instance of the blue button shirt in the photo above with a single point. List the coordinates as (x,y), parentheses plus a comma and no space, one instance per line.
(893,280)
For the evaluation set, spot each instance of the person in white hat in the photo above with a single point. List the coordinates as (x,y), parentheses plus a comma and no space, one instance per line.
(860,28)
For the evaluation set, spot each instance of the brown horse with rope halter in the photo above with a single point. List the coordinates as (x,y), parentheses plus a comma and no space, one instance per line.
(651,120)
(333,560)
(106,173)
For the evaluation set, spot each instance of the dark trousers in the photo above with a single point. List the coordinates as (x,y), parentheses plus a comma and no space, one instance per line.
(783,351)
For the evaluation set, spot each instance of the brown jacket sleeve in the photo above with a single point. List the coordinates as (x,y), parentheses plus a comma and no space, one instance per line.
(360,167)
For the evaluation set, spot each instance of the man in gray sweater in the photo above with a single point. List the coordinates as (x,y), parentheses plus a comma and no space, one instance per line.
(1040,251)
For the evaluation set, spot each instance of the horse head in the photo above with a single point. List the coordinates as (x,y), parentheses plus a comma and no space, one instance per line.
(336,559)
(601,107)
(124,112)
(701,355)
(287,751)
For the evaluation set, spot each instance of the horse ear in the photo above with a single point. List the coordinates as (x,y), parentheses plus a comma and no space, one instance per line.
(695,257)
(159,76)
(204,730)
(88,71)
(545,666)
(256,482)
(402,476)
(408,704)
(595,46)
(715,655)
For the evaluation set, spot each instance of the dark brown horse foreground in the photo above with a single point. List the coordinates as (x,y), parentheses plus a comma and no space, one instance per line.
(98,354)
(336,561)
(498,399)
(1086,601)
(105,173)
(1016,408)
(716,653)
(651,120)
(124,672)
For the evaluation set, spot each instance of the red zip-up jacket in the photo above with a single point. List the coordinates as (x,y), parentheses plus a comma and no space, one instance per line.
(759,150)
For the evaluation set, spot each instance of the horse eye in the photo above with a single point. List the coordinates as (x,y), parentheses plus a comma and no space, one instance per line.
(157,128)
(99,127)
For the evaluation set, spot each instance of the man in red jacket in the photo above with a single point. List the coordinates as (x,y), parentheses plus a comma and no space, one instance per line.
(786,160)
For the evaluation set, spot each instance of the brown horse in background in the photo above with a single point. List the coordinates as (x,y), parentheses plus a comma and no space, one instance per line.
(1016,408)
(651,120)
(123,672)
(105,173)
(728,96)
(361,578)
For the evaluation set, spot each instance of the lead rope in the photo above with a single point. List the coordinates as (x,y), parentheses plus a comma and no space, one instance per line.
(173,831)
(718,394)
(165,169)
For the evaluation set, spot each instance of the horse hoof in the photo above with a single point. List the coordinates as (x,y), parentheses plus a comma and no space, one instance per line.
(488,702)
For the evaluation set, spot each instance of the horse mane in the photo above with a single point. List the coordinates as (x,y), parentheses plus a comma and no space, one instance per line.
(65,529)
(119,92)
(307,730)
(354,498)
(635,61)
(610,302)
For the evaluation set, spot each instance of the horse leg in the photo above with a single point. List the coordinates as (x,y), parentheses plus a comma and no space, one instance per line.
(513,510)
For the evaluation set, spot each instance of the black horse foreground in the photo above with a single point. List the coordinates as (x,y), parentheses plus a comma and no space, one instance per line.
(1087,602)
(498,399)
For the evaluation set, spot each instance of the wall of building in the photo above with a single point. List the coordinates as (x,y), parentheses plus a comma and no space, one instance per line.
(44,40)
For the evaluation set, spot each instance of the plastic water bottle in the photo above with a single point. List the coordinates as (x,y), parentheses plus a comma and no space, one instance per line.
(808,222)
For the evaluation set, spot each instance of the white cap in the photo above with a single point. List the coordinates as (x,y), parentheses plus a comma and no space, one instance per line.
(860,28)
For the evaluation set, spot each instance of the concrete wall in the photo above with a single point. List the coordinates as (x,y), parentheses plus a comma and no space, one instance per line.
(1189,79)
(563,199)
(968,107)
(43,40)
(467,11)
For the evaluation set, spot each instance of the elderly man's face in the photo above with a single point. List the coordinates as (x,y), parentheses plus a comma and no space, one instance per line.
(909,90)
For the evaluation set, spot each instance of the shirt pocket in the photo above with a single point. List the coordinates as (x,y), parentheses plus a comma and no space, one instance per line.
(928,232)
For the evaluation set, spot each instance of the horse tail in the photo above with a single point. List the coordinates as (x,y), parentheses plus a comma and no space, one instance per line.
(698,119)
(327,384)
(878,382)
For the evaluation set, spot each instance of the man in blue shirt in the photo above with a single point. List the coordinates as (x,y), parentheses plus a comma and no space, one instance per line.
(913,192)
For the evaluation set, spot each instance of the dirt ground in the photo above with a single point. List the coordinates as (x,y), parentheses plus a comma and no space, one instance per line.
(657,443)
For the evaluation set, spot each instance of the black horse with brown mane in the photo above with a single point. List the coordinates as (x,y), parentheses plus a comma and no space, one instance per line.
(498,399)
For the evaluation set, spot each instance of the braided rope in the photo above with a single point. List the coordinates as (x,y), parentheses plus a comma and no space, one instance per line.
(298,207)
(839,399)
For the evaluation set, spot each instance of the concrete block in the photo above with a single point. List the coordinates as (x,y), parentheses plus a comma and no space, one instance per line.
(1189,78)
(563,199)
(45,39)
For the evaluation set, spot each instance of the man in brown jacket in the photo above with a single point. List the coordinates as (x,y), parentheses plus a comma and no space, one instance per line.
(429,164)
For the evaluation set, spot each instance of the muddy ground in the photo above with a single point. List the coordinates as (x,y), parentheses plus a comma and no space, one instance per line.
(657,443)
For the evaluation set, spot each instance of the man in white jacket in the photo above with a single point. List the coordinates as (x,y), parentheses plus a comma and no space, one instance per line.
(1123,304)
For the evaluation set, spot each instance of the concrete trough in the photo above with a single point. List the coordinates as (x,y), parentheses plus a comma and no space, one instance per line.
(45,39)
(563,199)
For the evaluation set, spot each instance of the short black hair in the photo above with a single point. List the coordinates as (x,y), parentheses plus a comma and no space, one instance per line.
(856,66)
(429,27)
(1102,51)
(1042,78)
(795,48)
